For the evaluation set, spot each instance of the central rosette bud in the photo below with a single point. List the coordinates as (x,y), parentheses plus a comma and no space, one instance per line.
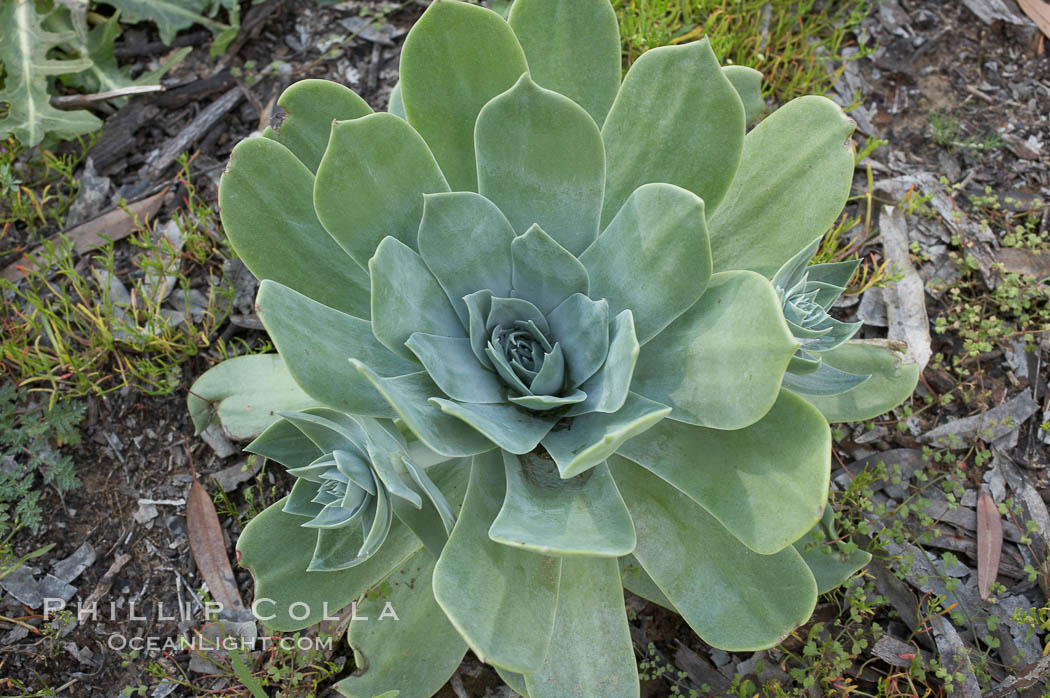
(526,359)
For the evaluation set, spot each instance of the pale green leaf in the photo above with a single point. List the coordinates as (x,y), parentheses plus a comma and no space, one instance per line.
(607,389)
(543,513)
(748,84)
(315,342)
(544,272)
(406,298)
(732,597)
(409,396)
(24,47)
(310,107)
(456,370)
(541,160)
(584,70)
(465,241)
(388,651)
(794,177)
(721,362)
(266,203)
(827,557)
(456,58)
(396,106)
(591,653)
(290,598)
(654,258)
(591,438)
(581,325)
(382,639)
(286,444)
(891,382)
(511,428)
(677,119)
(371,181)
(766,483)
(637,581)
(245,393)
(501,599)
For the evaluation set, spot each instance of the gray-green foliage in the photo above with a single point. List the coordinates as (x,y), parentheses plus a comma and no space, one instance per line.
(31,439)
(556,285)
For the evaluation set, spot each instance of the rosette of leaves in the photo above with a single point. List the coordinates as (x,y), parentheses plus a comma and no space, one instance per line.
(556,281)
(354,477)
(808,292)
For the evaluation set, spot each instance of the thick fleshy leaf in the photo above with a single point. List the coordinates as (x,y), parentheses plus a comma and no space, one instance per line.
(721,362)
(371,182)
(310,107)
(329,430)
(465,241)
(551,376)
(245,393)
(582,327)
(315,342)
(748,84)
(290,598)
(455,368)
(286,444)
(501,599)
(300,500)
(637,581)
(586,71)
(676,119)
(387,632)
(514,680)
(766,483)
(542,403)
(541,160)
(509,427)
(392,473)
(607,389)
(456,58)
(337,549)
(734,598)
(797,159)
(266,202)
(433,523)
(396,106)
(890,384)
(654,258)
(546,514)
(409,395)
(836,274)
(407,299)
(591,651)
(591,438)
(825,380)
(544,272)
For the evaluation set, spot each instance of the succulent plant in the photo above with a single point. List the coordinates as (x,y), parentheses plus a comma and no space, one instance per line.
(808,292)
(556,285)
(354,476)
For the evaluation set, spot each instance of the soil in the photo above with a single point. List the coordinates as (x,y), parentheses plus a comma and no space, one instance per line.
(936,57)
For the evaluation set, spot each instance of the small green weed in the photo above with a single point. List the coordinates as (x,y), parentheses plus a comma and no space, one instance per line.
(67,330)
(31,438)
(36,189)
(838,246)
(792,42)
(1018,307)
(947,131)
